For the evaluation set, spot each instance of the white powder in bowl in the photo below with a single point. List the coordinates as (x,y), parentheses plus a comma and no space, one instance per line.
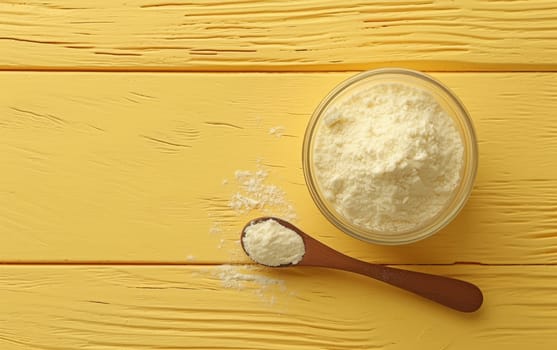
(388,157)
(272,244)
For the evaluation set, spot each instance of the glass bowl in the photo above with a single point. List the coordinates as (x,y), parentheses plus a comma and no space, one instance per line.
(454,108)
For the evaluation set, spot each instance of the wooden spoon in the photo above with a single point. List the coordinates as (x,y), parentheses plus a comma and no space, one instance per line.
(451,292)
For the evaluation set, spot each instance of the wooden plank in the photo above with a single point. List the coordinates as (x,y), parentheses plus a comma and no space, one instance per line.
(150,307)
(261,35)
(129,167)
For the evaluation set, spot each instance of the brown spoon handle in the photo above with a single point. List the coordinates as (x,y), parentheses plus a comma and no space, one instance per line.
(451,292)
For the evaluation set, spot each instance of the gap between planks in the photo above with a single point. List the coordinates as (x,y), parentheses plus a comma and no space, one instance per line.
(176,263)
(289,69)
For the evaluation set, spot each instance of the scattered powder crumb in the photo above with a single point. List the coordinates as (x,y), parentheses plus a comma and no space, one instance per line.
(256,194)
(236,253)
(225,182)
(190,258)
(272,244)
(277,131)
(258,121)
(233,276)
(216,227)
(221,243)
(246,277)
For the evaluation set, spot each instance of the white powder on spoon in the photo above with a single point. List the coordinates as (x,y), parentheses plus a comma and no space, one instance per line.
(272,244)
(388,157)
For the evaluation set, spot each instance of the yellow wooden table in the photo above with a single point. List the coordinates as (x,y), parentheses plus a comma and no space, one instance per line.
(122,125)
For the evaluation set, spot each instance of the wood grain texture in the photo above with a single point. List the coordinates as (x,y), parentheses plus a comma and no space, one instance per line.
(75,307)
(263,35)
(129,167)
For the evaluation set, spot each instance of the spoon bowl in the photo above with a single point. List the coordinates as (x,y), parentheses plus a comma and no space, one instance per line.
(454,293)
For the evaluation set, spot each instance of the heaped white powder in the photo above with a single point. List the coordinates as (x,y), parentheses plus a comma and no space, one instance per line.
(257,194)
(388,157)
(272,244)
